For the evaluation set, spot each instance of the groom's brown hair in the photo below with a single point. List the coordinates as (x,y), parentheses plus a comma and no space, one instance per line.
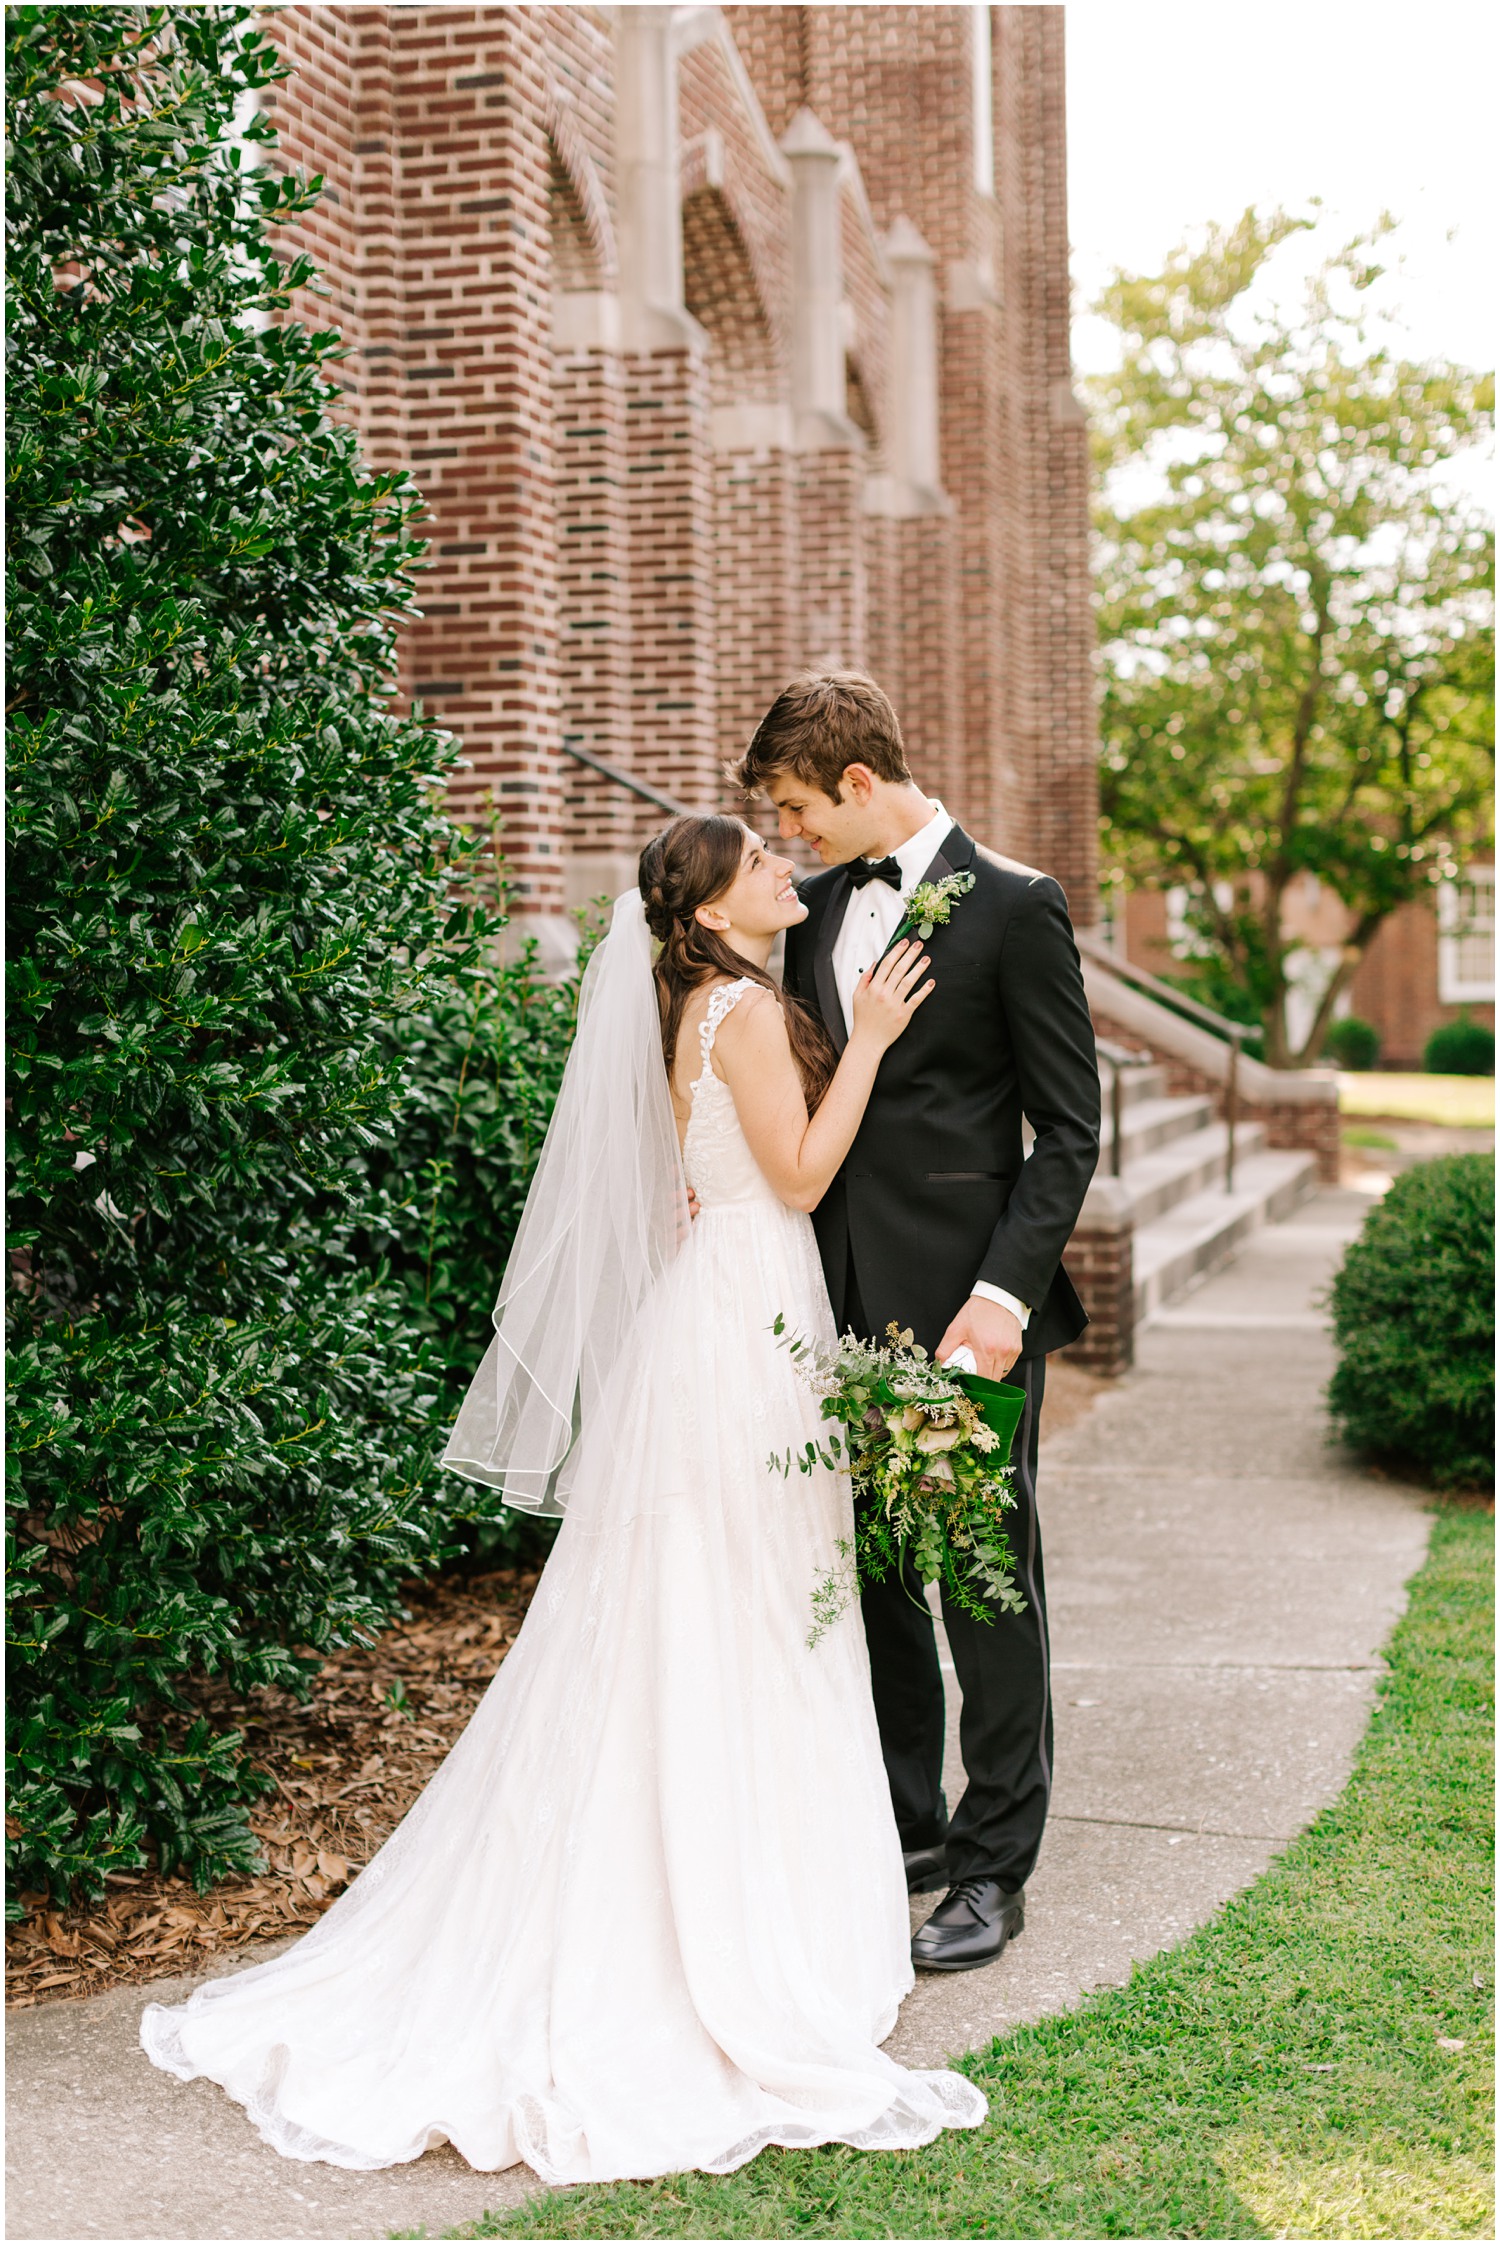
(817,726)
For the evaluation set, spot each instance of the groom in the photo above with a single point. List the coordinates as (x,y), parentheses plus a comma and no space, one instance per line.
(937,1222)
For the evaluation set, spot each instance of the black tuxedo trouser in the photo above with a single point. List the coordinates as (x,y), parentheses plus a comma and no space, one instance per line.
(1004,1674)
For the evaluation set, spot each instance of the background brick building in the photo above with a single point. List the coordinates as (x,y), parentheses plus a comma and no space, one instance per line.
(1431,962)
(720,341)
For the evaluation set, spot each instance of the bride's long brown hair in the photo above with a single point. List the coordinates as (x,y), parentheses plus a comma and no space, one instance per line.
(691,862)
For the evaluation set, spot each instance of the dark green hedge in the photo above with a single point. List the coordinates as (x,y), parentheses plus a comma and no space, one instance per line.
(1414,1324)
(1460,1048)
(1352,1043)
(258,1201)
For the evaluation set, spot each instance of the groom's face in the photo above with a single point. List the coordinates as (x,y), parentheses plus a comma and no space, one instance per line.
(838,831)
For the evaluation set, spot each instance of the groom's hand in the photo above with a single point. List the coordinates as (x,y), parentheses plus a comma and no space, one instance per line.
(991,1331)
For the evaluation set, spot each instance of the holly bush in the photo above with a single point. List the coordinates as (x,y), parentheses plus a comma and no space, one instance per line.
(1414,1324)
(243,940)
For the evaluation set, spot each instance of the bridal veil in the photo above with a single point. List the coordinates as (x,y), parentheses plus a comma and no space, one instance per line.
(607,1212)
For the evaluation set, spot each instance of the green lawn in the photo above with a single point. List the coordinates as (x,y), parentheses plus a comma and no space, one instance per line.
(1371,1141)
(1467,1102)
(1315,2063)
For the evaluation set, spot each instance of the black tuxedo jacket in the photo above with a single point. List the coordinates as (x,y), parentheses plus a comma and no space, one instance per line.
(934,1192)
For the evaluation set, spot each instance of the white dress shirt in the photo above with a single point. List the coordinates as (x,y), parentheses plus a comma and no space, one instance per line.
(875,912)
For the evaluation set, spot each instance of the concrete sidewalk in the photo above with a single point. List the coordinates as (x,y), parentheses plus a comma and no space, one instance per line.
(1220,1579)
(1220,1582)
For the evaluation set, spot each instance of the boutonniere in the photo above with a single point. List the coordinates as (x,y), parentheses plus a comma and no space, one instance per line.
(931,905)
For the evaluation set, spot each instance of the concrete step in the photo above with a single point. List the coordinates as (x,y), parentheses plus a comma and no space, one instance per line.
(1187,1165)
(1149,1124)
(1137,1084)
(1201,1230)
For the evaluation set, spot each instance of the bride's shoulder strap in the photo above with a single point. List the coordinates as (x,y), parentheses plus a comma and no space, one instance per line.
(722,1001)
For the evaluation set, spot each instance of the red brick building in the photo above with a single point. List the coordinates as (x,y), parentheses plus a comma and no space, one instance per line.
(720,341)
(1431,962)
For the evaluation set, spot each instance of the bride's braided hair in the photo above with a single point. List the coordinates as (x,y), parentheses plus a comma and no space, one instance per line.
(691,862)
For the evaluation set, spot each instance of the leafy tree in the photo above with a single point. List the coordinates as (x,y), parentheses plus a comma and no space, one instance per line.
(1296,617)
(233,899)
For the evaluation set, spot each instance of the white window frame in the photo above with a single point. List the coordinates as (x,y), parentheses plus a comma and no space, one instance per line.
(1458,922)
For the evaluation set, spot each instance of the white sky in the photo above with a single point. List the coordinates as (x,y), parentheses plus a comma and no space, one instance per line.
(1181,111)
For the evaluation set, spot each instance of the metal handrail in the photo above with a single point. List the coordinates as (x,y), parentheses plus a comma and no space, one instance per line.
(1119,1058)
(1168,992)
(624,779)
(1234,1033)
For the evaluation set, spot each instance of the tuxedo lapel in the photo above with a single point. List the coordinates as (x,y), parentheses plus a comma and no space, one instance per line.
(956,853)
(840,889)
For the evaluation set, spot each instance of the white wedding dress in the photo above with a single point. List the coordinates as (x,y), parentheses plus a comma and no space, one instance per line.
(650,1914)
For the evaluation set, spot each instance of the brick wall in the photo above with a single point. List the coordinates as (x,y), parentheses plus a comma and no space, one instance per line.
(1396,987)
(1101,1263)
(628,551)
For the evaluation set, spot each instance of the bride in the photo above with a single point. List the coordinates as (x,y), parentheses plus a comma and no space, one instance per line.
(651,1912)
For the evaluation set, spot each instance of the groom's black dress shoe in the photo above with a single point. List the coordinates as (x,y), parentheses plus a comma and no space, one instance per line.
(926,1869)
(970,1926)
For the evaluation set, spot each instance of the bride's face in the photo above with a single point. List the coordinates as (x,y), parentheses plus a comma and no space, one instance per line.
(761,899)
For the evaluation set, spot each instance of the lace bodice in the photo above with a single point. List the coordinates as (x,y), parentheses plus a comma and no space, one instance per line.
(720,1166)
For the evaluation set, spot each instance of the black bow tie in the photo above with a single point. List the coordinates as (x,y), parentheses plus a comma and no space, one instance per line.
(864,869)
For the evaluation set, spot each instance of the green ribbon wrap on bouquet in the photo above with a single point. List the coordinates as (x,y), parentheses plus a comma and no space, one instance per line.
(998,1403)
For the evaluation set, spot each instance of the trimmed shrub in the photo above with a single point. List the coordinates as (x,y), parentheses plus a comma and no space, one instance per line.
(236,912)
(1460,1048)
(1352,1043)
(1414,1324)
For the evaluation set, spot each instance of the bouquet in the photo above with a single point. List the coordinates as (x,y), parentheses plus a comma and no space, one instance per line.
(930,1474)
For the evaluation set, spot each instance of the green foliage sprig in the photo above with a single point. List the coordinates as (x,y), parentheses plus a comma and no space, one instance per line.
(926,1481)
(931,905)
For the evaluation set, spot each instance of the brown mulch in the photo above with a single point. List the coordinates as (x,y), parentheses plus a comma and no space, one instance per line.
(1070,1393)
(347,1766)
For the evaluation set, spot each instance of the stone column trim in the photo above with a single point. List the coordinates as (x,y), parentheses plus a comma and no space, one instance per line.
(654,316)
(913,484)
